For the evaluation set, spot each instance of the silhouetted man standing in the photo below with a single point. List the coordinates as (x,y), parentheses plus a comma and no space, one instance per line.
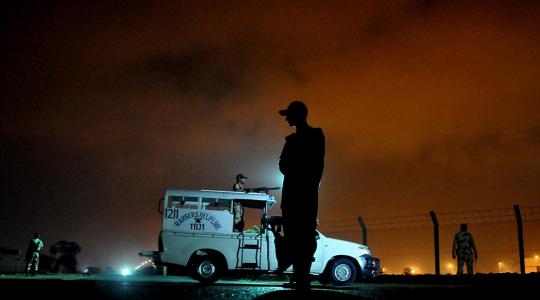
(465,250)
(302,164)
(32,254)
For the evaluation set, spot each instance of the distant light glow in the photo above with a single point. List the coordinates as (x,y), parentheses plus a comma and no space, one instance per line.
(125,271)
(411,270)
(499,267)
(278,179)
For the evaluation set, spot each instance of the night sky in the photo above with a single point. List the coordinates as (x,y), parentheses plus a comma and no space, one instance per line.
(426,105)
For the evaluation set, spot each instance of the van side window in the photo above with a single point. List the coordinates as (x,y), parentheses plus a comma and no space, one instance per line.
(216,204)
(182,202)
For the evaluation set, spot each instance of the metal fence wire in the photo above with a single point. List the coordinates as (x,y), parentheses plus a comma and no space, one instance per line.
(446,219)
(518,215)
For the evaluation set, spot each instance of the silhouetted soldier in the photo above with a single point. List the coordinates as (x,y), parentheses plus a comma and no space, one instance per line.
(238,209)
(465,250)
(302,164)
(32,254)
(239,184)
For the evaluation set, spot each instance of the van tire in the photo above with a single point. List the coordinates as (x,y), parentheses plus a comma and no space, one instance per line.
(342,271)
(207,269)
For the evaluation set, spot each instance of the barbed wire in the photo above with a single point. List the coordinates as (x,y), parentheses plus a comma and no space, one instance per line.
(445,219)
(382,253)
(476,217)
(530,212)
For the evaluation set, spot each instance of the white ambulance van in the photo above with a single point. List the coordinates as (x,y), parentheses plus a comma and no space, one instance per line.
(197,233)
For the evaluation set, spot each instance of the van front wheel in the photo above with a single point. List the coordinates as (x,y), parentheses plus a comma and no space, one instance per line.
(342,272)
(206,269)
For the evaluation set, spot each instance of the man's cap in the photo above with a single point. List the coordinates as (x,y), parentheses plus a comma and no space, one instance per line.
(240,176)
(296,108)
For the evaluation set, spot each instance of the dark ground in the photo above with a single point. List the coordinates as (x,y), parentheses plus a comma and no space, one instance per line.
(495,286)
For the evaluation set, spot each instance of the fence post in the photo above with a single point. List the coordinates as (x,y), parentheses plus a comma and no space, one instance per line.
(520,239)
(364,230)
(436,241)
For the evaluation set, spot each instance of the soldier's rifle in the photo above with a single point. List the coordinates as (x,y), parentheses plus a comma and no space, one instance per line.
(261,189)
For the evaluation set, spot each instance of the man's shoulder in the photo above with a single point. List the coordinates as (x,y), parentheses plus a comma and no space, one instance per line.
(290,136)
(462,234)
(315,132)
(318,135)
(312,132)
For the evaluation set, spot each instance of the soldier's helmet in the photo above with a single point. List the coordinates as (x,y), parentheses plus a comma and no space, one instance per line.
(239,177)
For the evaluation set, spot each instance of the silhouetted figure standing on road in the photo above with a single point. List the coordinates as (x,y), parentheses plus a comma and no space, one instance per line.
(32,254)
(465,250)
(302,164)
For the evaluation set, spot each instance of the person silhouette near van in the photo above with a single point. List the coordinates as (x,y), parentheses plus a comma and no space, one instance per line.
(302,164)
(32,255)
(464,249)
(239,184)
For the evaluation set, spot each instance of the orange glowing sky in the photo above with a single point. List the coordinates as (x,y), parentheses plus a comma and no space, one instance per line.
(426,105)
